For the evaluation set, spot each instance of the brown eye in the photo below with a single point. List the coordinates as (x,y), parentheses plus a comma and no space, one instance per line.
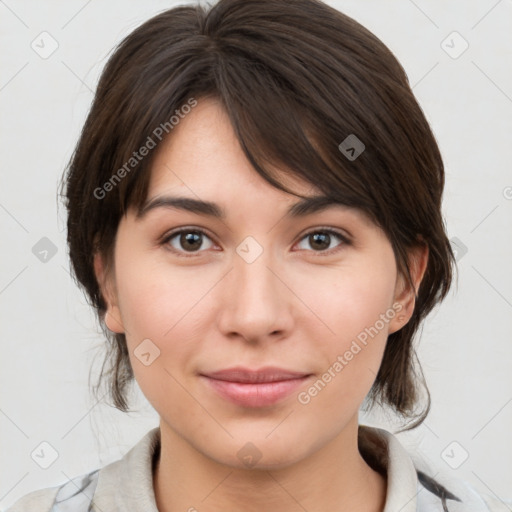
(321,240)
(188,241)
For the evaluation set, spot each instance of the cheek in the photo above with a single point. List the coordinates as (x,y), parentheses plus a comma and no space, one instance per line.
(157,305)
(357,309)
(154,298)
(349,299)
(165,305)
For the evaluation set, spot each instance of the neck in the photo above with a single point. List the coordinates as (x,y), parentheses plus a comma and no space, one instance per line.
(335,477)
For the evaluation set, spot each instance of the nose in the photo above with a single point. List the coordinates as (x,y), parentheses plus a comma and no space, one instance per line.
(256,304)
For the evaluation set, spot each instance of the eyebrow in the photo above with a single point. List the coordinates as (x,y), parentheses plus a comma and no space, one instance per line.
(305,206)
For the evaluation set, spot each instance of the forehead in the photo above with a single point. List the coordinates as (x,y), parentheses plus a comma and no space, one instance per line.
(202,153)
(201,159)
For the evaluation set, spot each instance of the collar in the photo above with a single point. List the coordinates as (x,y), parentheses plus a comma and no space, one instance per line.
(384,453)
(127,484)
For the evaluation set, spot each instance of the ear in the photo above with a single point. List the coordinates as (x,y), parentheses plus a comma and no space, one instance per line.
(109,293)
(405,294)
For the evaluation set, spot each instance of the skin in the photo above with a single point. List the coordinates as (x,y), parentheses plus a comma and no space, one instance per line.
(296,306)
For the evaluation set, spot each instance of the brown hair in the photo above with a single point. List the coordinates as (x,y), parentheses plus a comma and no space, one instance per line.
(296,79)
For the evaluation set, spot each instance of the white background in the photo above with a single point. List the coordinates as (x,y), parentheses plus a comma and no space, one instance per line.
(48,333)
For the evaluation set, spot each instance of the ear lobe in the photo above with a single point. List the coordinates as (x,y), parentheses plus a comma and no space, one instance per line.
(405,295)
(107,287)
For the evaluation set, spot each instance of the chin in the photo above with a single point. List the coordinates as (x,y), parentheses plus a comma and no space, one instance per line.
(257,453)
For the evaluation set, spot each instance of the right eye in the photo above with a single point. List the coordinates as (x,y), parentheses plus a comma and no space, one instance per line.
(187,241)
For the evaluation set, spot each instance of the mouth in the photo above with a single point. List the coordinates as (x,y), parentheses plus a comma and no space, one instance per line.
(255,388)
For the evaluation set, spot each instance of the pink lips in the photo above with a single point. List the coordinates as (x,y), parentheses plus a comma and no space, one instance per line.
(255,388)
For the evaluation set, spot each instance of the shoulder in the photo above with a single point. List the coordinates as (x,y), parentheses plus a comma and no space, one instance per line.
(41,501)
(77,495)
(495,505)
(460,496)
(117,486)
(413,486)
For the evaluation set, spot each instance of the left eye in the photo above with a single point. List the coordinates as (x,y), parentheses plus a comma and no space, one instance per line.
(320,241)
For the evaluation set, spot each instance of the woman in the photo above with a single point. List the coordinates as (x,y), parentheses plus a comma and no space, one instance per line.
(254,211)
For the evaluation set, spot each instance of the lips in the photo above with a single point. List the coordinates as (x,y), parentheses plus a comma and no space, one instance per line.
(243,375)
(255,388)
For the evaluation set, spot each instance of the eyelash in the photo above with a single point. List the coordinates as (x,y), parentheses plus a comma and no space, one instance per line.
(168,237)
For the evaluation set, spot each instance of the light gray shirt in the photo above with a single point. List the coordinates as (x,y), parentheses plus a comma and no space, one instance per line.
(127,484)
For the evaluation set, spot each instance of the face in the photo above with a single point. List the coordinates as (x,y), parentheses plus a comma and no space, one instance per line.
(312,297)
